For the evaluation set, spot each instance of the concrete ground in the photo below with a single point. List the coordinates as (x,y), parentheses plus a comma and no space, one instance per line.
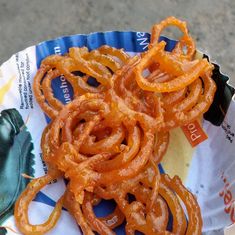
(27,22)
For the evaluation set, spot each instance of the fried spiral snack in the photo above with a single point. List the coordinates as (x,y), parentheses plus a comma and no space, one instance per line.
(108,141)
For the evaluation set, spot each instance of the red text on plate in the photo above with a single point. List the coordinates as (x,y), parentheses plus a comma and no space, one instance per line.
(229,201)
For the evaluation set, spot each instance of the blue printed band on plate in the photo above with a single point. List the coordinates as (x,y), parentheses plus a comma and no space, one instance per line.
(129,41)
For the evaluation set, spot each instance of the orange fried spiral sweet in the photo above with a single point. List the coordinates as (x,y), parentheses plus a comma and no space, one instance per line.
(108,141)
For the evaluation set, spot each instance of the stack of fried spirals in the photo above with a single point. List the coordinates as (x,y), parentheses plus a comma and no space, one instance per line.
(109,140)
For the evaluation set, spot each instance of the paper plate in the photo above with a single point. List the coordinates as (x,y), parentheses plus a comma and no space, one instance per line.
(209,174)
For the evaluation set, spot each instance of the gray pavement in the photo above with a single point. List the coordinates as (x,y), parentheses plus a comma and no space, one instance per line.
(27,22)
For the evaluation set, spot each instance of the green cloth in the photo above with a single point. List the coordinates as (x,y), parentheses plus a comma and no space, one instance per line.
(16,157)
